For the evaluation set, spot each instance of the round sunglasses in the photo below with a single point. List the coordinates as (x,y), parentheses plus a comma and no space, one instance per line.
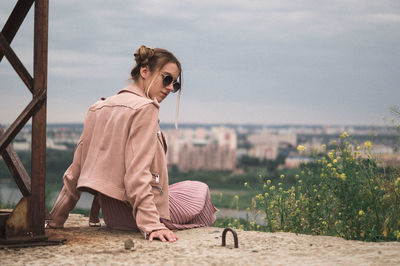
(168,79)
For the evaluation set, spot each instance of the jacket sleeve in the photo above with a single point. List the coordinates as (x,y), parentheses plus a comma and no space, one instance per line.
(139,154)
(69,195)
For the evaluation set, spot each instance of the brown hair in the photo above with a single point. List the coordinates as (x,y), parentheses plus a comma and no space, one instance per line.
(156,59)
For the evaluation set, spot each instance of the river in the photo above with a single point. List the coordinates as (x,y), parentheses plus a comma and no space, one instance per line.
(9,193)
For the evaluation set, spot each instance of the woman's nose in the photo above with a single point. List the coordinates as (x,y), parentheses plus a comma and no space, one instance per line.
(170,86)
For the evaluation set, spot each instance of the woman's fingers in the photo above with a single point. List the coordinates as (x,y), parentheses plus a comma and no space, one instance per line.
(171,236)
(163,235)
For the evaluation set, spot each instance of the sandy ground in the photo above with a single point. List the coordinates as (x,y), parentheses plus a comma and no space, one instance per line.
(101,246)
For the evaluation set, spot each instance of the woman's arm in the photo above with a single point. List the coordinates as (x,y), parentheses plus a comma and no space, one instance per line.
(69,195)
(139,154)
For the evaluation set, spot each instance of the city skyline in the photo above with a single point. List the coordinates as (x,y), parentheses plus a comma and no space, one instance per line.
(244,62)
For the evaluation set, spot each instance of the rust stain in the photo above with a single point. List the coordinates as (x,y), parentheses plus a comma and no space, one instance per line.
(18,222)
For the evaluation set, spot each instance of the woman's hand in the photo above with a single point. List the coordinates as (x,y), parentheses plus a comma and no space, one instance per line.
(163,235)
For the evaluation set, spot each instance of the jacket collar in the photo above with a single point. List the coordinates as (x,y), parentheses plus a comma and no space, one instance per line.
(132,88)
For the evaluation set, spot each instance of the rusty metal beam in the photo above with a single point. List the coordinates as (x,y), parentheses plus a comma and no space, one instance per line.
(24,226)
(21,120)
(15,20)
(6,49)
(16,168)
(39,118)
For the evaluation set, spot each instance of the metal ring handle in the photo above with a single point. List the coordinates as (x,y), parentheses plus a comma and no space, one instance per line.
(234,237)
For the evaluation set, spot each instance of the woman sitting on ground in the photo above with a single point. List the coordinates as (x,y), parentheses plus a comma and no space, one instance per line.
(120,158)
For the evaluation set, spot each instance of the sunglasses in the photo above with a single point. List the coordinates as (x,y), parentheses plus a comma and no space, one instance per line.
(168,79)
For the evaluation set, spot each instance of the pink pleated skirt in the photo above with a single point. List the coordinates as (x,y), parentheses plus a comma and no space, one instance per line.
(190,206)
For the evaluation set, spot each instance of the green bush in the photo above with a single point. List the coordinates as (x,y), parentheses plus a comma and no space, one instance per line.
(341,192)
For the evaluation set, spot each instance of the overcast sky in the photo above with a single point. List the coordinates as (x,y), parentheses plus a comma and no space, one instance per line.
(264,62)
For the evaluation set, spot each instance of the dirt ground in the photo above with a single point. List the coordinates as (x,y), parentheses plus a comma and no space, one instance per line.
(100,246)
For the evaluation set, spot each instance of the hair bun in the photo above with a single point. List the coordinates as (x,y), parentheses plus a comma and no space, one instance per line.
(143,54)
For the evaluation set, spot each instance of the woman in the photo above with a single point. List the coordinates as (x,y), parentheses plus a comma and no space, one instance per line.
(120,158)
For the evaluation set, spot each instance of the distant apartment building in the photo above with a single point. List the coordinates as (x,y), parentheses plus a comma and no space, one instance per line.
(265,144)
(202,149)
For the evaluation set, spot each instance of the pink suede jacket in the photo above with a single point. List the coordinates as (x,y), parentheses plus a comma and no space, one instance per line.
(121,153)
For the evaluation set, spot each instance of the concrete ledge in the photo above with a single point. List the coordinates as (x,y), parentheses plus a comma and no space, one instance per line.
(101,246)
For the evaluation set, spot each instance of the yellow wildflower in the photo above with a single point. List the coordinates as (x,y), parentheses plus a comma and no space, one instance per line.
(368,144)
(301,148)
(236,197)
(297,176)
(268,182)
(245,184)
(265,186)
(282,176)
(344,135)
(334,142)
(397,181)
(334,161)
(266,194)
(323,147)
(329,165)
(397,234)
(358,147)
(272,188)
(361,213)
(330,154)
(343,176)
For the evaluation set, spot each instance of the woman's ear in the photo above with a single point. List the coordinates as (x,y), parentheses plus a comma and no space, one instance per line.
(144,72)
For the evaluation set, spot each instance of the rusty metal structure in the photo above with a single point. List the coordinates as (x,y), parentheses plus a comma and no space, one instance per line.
(24,226)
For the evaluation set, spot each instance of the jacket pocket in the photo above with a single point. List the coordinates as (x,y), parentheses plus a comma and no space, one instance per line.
(158,188)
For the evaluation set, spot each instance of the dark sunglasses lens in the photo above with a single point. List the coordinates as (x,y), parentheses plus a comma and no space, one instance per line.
(177,86)
(167,80)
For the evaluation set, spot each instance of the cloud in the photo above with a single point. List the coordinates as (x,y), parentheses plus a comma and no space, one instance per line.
(239,57)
